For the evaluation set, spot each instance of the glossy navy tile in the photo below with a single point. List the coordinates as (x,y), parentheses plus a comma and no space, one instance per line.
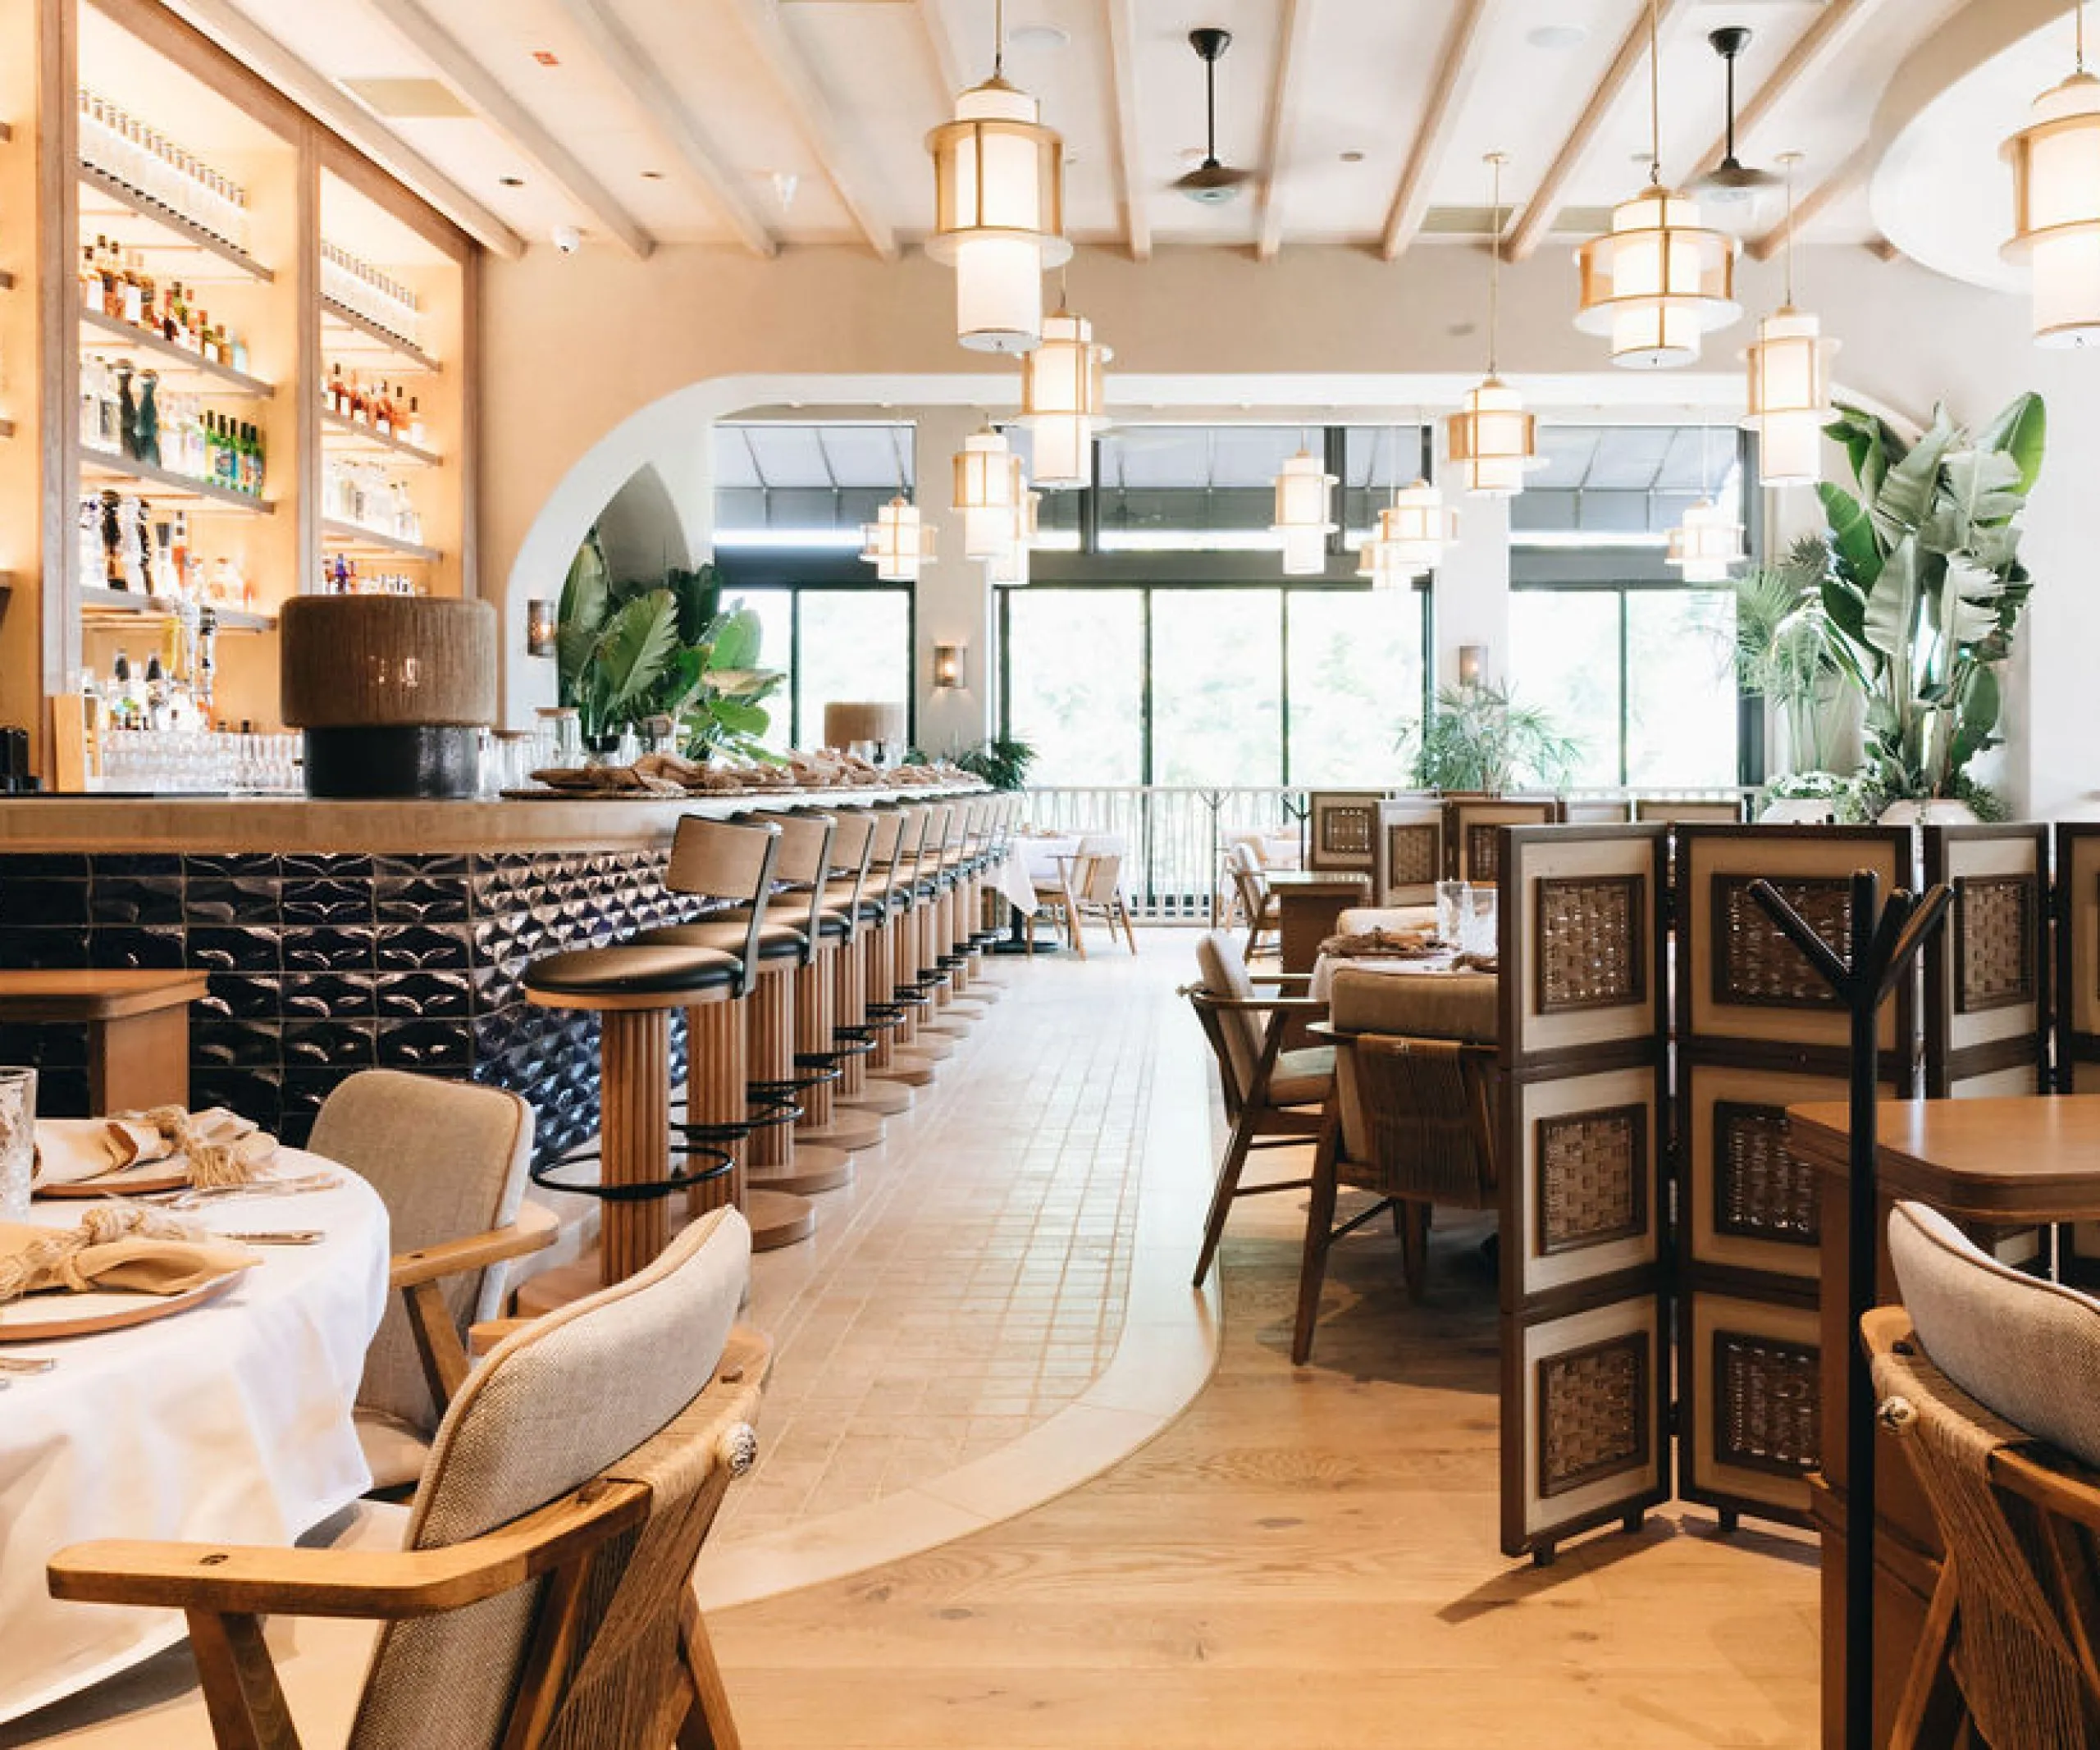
(437,1045)
(155,947)
(420,901)
(330,1044)
(417,996)
(334,902)
(243,901)
(329,950)
(43,948)
(228,1045)
(326,996)
(241,996)
(36,901)
(417,948)
(233,949)
(134,899)
(244,866)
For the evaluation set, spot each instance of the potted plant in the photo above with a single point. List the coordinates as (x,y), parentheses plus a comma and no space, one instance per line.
(662,647)
(1788,653)
(1925,588)
(1477,738)
(1002,762)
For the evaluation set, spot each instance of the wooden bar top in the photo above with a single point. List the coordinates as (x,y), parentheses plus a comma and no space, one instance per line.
(231,824)
(2008,1161)
(62,994)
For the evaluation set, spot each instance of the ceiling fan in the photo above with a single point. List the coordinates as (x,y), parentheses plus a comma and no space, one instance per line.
(1731,180)
(1210,182)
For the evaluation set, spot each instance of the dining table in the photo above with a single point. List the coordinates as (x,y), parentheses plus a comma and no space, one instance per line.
(227,1422)
(1042,859)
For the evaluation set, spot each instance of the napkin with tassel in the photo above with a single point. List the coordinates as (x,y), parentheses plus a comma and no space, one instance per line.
(118,1247)
(222,1148)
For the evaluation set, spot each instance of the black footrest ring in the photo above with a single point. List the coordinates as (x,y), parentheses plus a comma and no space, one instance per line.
(649,1191)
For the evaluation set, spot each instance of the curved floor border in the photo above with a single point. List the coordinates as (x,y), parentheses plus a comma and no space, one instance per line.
(1164,1356)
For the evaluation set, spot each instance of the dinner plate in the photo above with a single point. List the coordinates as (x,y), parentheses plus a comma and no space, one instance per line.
(170,1175)
(36,1318)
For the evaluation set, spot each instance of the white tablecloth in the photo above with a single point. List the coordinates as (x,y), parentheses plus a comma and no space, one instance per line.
(228,1424)
(1036,858)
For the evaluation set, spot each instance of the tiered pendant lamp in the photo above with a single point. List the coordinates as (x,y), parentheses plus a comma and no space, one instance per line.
(1064,400)
(1419,525)
(1305,494)
(1789,381)
(1492,440)
(987,486)
(1709,541)
(1658,279)
(998,210)
(897,543)
(2056,206)
(1010,565)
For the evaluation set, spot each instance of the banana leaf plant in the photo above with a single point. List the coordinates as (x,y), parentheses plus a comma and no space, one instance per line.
(663,648)
(1925,587)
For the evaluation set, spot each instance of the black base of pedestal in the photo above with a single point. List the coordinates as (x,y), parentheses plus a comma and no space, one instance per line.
(425,759)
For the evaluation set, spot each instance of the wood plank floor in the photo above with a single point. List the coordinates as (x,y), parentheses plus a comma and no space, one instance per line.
(1306,1560)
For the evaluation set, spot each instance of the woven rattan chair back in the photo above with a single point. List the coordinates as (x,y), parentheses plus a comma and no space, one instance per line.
(1417,1119)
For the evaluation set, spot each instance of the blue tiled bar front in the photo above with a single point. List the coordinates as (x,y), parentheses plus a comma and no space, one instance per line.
(340,936)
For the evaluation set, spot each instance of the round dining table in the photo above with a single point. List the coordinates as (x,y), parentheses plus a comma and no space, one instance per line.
(230,1422)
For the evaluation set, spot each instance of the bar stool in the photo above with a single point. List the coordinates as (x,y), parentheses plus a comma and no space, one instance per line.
(741,1087)
(988,912)
(912,1054)
(819,1042)
(863,971)
(634,988)
(943,950)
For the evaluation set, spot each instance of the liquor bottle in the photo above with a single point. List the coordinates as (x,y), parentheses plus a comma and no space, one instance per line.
(132,290)
(111,532)
(208,663)
(332,398)
(155,693)
(417,435)
(174,319)
(360,409)
(178,556)
(382,413)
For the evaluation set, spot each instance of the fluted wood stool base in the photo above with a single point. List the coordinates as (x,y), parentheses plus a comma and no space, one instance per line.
(848,1130)
(881,1093)
(912,1068)
(770,1154)
(814,1170)
(778,1219)
(934,1044)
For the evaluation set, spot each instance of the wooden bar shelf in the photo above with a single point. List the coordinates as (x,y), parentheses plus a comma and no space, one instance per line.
(96,464)
(220,379)
(118,603)
(352,537)
(179,233)
(352,436)
(370,338)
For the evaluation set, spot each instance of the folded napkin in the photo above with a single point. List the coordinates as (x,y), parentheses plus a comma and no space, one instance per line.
(222,1147)
(118,1247)
(1387,944)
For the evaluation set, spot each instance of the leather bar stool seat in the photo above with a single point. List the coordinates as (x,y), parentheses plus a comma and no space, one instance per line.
(632,973)
(727,935)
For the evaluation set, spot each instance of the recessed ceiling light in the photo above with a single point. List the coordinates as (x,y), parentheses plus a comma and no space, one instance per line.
(1352,156)
(1557,36)
(511,182)
(1042,35)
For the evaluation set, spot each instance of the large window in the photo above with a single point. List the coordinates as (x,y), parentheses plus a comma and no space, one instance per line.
(835,644)
(1212,684)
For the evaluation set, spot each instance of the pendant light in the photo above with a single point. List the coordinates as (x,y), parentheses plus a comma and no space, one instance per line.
(896,543)
(1305,492)
(987,486)
(1064,399)
(2055,205)
(1010,565)
(1657,280)
(998,208)
(1418,526)
(1492,439)
(1789,379)
(1708,540)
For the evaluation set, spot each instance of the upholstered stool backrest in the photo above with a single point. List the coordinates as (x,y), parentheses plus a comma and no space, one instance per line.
(2027,1348)
(568,1398)
(1225,974)
(805,853)
(731,859)
(448,1159)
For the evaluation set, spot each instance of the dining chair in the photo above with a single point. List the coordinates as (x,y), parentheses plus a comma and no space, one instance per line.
(1988,1379)
(448,1160)
(1412,1121)
(1055,899)
(539,1597)
(1096,889)
(1272,1097)
(1258,904)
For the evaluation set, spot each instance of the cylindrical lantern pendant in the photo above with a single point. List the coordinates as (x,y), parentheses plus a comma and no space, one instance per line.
(987,486)
(1493,440)
(1656,280)
(1789,364)
(1064,401)
(2055,210)
(998,216)
(896,543)
(1304,519)
(1706,543)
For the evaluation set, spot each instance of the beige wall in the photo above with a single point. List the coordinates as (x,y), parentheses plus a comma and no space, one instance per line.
(577,347)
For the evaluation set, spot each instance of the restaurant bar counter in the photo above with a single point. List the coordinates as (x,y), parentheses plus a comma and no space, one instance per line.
(344,936)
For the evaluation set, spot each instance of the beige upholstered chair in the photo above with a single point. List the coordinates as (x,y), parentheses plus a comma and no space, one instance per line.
(540,1595)
(448,1159)
(1415,1093)
(1096,890)
(1991,1379)
(1272,1097)
(1257,902)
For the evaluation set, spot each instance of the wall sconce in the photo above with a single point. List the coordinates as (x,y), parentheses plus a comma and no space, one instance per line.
(950,667)
(1473,665)
(542,628)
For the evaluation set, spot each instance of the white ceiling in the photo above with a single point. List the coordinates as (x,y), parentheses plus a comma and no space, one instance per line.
(736,101)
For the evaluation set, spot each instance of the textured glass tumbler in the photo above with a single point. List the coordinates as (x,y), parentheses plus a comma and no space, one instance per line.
(18,1140)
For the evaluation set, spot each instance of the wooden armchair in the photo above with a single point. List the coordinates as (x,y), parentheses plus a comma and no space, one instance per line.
(541,1595)
(1257,903)
(1095,889)
(448,1160)
(1986,1376)
(1412,1121)
(1272,1097)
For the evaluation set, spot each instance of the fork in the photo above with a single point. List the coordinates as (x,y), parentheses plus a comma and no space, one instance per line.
(210,1193)
(25,1365)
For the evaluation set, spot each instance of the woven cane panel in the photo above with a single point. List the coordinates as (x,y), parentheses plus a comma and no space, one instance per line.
(1594,1414)
(1592,1178)
(1412,855)
(1483,853)
(1347,830)
(1993,942)
(1767,1403)
(1591,933)
(1760,1190)
(1754,963)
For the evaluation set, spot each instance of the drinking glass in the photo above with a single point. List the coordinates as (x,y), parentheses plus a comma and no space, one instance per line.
(1481,928)
(1454,905)
(18,1140)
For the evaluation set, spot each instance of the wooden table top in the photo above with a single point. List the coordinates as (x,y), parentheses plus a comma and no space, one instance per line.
(71,995)
(2025,1158)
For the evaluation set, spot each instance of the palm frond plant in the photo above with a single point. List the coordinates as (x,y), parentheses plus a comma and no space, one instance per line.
(1002,762)
(1925,587)
(1476,737)
(1789,653)
(663,648)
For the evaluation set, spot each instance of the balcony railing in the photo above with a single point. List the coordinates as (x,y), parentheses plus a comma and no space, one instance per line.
(1176,836)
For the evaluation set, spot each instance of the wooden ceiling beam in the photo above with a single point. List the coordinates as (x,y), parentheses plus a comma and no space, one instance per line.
(483,93)
(1840,183)
(639,76)
(1455,68)
(814,119)
(321,98)
(1829,33)
(1293,32)
(1631,60)
(947,61)
(1120,17)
